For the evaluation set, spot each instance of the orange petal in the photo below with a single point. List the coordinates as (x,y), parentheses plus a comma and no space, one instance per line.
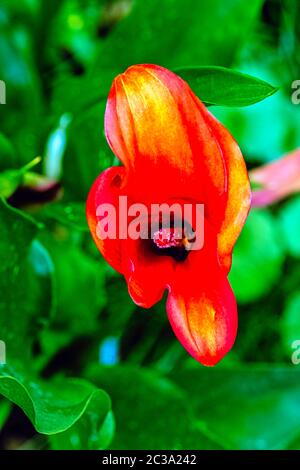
(158,130)
(202,310)
(147,275)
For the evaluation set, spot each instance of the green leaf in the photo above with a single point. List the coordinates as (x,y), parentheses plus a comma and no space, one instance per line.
(10,180)
(54,406)
(71,214)
(94,431)
(245,407)
(26,280)
(152,36)
(257,258)
(68,405)
(79,287)
(225,87)
(120,307)
(150,411)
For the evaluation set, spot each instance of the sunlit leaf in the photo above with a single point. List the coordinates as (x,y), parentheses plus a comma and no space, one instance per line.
(70,405)
(150,411)
(245,407)
(225,87)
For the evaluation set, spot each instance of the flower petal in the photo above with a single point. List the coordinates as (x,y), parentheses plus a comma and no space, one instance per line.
(147,274)
(106,190)
(201,307)
(155,126)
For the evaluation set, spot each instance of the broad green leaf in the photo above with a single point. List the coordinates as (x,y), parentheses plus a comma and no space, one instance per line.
(141,340)
(248,408)
(150,411)
(257,258)
(70,405)
(25,282)
(120,306)
(94,431)
(79,286)
(167,38)
(225,87)
(71,214)
(25,306)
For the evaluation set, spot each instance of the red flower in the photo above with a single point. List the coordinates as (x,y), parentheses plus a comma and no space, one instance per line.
(173,150)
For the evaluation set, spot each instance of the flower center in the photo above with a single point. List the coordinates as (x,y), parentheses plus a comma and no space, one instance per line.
(171,241)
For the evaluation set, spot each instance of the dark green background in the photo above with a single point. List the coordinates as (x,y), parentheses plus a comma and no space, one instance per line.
(86,368)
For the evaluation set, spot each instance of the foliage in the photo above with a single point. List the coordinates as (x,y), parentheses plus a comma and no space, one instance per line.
(89,369)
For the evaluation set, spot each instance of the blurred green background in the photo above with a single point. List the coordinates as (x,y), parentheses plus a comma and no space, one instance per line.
(86,368)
